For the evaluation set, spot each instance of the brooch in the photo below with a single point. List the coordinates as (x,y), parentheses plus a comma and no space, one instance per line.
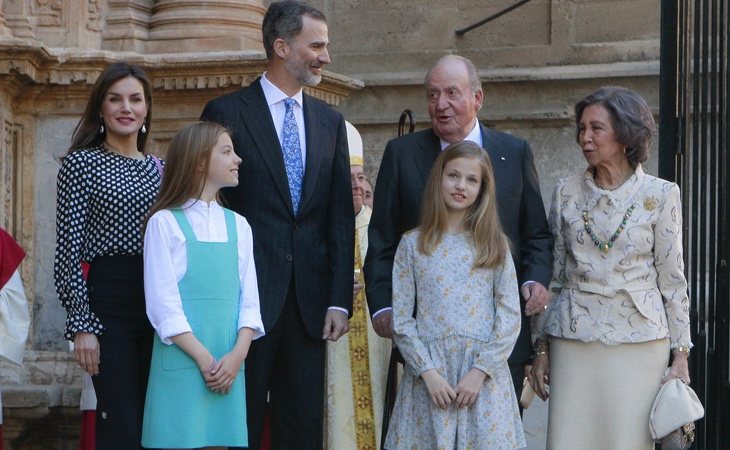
(650,203)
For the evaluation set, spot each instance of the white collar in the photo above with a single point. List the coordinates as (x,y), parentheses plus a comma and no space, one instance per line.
(197,204)
(475,135)
(275,95)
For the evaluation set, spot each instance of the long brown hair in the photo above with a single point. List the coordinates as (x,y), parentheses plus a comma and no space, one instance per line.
(481,220)
(87,132)
(186,165)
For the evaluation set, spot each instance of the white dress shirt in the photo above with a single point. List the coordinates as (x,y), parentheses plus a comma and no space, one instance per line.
(475,136)
(275,99)
(165,264)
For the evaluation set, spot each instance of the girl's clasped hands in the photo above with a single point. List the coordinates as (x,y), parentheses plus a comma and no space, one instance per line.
(462,396)
(219,375)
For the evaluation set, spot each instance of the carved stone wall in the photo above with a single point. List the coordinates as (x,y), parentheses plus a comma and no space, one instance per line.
(535,62)
(51,52)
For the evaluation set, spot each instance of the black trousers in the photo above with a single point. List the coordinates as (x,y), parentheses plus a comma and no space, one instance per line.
(289,365)
(116,296)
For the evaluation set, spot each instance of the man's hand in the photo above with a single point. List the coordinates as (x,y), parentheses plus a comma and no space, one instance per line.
(383,324)
(537,297)
(335,325)
(88,352)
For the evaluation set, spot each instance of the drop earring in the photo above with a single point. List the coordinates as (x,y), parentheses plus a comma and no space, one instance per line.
(144,128)
(101,128)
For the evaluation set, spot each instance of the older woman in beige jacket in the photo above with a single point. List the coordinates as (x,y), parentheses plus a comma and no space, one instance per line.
(619,295)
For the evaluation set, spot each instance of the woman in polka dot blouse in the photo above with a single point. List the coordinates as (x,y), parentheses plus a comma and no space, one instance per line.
(105,187)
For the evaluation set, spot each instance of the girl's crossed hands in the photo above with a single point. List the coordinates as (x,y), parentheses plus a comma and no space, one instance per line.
(441,392)
(465,394)
(469,387)
(221,377)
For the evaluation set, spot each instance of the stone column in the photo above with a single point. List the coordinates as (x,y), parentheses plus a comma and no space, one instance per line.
(204,25)
(4,30)
(17,16)
(127,25)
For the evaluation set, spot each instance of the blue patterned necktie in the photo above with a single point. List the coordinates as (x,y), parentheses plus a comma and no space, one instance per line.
(292,154)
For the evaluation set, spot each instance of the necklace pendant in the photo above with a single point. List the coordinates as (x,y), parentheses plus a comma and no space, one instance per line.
(605,247)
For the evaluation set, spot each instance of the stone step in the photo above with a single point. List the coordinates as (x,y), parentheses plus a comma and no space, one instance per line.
(30,396)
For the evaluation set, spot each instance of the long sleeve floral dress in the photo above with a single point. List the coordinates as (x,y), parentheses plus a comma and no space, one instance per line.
(465,319)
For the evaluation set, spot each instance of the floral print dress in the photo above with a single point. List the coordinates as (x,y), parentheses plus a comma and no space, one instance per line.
(465,319)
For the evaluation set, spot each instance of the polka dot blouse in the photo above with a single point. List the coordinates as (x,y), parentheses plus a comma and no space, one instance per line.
(103,198)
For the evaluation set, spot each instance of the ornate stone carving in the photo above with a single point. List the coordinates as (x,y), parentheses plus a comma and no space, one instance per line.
(48,13)
(10,176)
(93,8)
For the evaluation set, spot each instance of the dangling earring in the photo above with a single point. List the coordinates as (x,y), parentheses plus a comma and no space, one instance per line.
(144,128)
(101,129)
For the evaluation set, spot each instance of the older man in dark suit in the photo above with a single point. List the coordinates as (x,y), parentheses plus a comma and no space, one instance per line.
(295,192)
(455,96)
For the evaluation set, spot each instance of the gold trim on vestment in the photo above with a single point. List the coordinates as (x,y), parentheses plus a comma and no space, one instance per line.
(360,364)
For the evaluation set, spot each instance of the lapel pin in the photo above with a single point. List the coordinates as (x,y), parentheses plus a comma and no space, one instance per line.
(503,158)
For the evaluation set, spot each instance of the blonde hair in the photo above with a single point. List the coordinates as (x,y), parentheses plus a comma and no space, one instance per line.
(189,149)
(481,220)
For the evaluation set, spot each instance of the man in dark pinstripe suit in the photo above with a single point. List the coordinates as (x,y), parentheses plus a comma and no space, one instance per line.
(303,245)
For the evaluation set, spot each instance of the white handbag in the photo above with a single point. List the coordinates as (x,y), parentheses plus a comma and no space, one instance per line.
(675,405)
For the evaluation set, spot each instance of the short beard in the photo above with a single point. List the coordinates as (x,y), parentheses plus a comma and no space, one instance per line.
(309,79)
(303,76)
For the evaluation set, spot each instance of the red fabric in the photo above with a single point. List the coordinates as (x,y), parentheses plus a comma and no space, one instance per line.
(10,256)
(85,269)
(87,440)
(266,435)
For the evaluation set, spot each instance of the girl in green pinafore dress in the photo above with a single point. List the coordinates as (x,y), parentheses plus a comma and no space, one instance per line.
(202,298)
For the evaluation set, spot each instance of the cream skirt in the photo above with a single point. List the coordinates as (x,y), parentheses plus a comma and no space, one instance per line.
(601,395)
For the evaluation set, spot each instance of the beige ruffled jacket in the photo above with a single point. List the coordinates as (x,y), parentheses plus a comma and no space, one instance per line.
(634,292)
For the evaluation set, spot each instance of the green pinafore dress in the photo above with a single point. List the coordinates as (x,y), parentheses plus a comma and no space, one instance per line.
(180,411)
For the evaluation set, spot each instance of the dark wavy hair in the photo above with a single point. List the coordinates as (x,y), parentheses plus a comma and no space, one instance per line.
(87,133)
(631,119)
(284,20)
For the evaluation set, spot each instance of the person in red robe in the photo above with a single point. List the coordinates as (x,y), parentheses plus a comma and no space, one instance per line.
(14,314)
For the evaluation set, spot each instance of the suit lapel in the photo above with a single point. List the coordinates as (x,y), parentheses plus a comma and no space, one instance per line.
(257,117)
(430,149)
(313,134)
(490,145)
(501,166)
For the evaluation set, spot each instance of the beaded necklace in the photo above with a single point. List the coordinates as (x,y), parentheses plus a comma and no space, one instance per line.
(616,184)
(606,246)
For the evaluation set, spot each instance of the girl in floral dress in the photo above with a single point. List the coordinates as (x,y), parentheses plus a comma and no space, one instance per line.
(456,391)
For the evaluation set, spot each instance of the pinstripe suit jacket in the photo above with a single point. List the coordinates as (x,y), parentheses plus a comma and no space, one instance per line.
(316,246)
